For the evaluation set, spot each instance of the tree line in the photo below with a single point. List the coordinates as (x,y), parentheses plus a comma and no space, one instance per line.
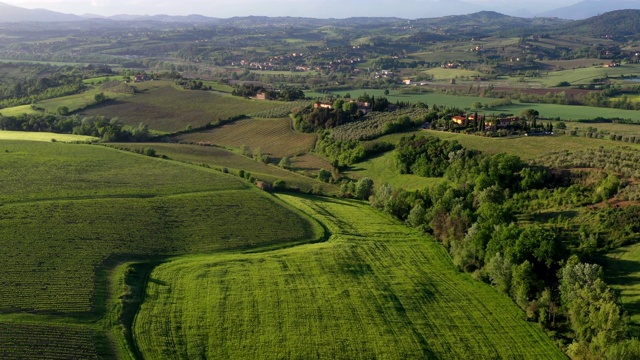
(98,126)
(547,268)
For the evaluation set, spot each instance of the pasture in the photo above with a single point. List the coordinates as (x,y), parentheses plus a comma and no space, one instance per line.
(273,137)
(376,289)
(382,169)
(164,107)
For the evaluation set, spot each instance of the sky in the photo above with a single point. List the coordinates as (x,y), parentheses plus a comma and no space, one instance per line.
(410,9)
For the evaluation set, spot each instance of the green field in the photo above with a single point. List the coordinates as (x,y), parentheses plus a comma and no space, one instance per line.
(586,75)
(273,136)
(78,101)
(221,158)
(447,74)
(622,269)
(101,79)
(166,108)
(69,214)
(564,112)
(43,136)
(376,289)
(382,169)
(526,147)
(17,110)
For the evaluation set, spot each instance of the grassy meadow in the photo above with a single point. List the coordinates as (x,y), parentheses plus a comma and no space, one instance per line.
(18,110)
(382,169)
(376,289)
(44,136)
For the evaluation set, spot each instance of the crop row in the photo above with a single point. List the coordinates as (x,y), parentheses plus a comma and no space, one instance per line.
(165,108)
(282,111)
(273,137)
(623,160)
(33,171)
(39,341)
(53,249)
(373,124)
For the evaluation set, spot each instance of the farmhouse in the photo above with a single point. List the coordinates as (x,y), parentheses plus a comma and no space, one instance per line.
(141,78)
(321,105)
(504,122)
(261,96)
(460,120)
(263,185)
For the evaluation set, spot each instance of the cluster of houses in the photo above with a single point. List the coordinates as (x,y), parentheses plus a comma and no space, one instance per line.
(295,59)
(364,107)
(141,78)
(488,123)
(383,74)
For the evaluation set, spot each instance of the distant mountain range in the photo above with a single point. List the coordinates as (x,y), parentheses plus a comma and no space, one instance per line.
(590,8)
(10,13)
(579,11)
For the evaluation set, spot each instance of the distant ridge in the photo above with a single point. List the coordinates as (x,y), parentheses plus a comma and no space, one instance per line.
(10,13)
(621,23)
(590,8)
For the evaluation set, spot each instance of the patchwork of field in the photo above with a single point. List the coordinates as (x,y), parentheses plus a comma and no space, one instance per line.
(164,107)
(564,112)
(70,213)
(376,289)
(272,136)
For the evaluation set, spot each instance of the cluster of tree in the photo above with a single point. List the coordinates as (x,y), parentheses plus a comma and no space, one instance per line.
(98,126)
(427,156)
(341,111)
(192,84)
(474,215)
(40,82)
(312,119)
(346,153)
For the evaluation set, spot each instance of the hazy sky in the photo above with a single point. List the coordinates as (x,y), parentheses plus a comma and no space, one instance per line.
(310,8)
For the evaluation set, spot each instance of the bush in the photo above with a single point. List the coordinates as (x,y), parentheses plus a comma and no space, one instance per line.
(150,152)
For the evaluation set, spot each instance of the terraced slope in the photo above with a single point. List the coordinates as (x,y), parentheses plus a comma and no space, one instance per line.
(376,289)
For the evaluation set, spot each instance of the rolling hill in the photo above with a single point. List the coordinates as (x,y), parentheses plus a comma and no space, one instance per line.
(10,13)
(589,8)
